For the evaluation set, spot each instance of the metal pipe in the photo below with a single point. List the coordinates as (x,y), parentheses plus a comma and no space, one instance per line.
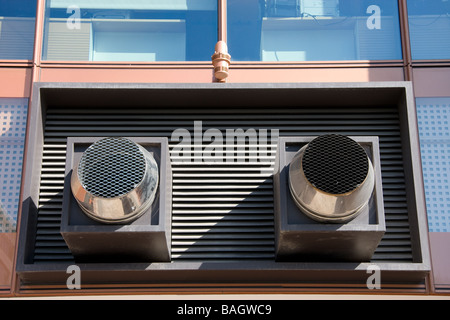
(221,59)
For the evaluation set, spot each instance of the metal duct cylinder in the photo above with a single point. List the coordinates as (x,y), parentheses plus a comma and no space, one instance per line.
(331,178)
(115,181)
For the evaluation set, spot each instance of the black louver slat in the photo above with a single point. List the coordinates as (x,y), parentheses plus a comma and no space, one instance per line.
(222,211)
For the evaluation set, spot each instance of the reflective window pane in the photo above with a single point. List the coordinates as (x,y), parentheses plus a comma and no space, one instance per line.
(17,24)
(313,30)
(429,28)
(132,30)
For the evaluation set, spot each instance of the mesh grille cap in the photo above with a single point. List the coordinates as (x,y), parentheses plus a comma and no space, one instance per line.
(335,164)
(111,167)
(331,179)
(115,181)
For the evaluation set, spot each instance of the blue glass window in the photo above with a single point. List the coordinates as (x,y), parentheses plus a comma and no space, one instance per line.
(433,116)
(17,24)
(313,30)
(429,29)
(132,30)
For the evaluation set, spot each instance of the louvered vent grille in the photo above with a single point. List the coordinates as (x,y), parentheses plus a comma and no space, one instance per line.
(222,211)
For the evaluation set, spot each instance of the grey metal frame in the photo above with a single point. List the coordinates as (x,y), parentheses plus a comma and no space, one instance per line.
(396,94)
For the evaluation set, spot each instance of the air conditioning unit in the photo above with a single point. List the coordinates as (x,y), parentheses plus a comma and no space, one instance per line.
(299,8)
(328,198)
(112,14)
(320,8)
(117,199)
(283,8)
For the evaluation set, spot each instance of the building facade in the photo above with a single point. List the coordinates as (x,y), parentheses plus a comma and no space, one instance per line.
(222,92)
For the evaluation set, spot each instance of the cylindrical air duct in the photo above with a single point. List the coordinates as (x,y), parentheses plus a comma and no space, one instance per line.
(115,181)
(331,178)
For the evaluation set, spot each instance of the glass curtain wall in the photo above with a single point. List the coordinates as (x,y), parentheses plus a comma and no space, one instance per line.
(429,28)
(17,24)
(312,30)
(132,30)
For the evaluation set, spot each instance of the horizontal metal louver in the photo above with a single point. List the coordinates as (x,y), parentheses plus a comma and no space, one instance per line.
(430,38)
(378,44)
(68,44)
(222,211)
(16,38)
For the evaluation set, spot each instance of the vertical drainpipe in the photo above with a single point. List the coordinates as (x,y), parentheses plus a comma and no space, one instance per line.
(406,44)
(38,38)
(221,59)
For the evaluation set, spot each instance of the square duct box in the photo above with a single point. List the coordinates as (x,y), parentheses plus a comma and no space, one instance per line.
(302,238)
(99,223)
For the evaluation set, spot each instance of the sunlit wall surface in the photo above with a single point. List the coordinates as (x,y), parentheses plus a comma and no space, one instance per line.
(312,30)
(433,115)
(132,30)
(429,27)
(17,24)
(13,121)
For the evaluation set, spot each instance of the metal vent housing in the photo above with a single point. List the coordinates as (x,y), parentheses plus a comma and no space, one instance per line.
(115,180)
(331,178)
